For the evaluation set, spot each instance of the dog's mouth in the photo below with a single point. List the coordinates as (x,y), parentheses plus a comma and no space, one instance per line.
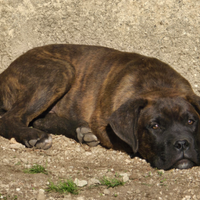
(183,164)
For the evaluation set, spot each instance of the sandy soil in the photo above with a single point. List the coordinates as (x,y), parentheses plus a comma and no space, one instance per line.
(69,160)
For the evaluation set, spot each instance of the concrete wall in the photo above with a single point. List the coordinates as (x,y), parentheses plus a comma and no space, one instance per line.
(166,29)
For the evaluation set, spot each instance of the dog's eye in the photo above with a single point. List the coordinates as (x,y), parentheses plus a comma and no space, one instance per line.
(154,126)
(190,121)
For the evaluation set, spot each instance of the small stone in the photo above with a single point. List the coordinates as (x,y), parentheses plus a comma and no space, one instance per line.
(6,161)
(67,197)
(128,161)
(41,195)
(93,181)
(24,160)
(106,192)
(78,149)
(88,153)
(125,177)
(134,176)
(80,198)
(16,146)
(80,183)
(137,191)
(13,141)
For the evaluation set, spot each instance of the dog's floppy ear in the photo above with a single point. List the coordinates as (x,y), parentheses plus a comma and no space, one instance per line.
(195,101)
(124,120)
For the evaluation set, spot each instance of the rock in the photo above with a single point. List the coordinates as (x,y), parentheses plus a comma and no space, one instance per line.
(88,153)
(93,181)
(68,197)
(24,160)
(80,198)
(125,177)
(78,149)
(135,175)
(13,141)
(128,161)
(41,195)
(137,191)
(106,192)
(80,183)
(5,161)
(16,146)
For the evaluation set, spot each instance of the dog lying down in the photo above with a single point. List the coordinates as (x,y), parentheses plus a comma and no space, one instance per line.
(98,95)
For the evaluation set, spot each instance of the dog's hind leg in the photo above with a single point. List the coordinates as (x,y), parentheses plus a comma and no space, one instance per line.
(28,88)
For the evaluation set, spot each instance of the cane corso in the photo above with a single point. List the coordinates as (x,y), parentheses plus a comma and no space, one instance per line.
(101,95)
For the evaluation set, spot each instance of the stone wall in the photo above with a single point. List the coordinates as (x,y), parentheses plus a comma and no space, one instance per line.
(166,29)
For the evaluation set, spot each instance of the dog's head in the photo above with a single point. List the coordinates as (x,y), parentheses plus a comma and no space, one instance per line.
(165,131)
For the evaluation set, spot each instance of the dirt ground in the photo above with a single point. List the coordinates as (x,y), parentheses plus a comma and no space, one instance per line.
(67,159)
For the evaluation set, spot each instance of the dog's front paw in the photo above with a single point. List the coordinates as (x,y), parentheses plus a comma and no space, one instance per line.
(85,135)
(44,142)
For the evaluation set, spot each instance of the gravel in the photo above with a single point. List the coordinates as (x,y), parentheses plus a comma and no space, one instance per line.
(86,167)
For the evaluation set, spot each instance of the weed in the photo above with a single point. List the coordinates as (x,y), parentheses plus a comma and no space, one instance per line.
(18,163)
(160,173)
(117,175)
(162,181)
(111,183)
(8,197)
(148,175)
(63,187)
(35,169)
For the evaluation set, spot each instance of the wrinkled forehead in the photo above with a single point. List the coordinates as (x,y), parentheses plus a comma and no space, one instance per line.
(171,108)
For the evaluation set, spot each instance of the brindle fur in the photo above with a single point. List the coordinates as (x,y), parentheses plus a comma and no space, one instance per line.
(57,88)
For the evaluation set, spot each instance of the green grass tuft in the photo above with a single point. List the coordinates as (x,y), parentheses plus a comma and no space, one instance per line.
(111,182)
(35,169)
(63,187)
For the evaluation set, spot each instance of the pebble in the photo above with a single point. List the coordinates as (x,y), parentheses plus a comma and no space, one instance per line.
(78,149)
(137,191)
(6,161)
(125,177)
(128,161)
(41,195)
(186,197)
(80,183)
(80,198)
(88,153)
(93,181)
(24,160)
(16,146)
(67,197)
(134,176)
(106,192)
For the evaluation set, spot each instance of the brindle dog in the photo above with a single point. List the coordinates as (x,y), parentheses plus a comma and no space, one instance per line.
(100,95)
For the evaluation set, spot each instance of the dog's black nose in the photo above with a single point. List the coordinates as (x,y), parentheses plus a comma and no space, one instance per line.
(182,145)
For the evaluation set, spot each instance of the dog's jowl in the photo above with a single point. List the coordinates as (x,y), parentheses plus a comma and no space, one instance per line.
(98,95)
